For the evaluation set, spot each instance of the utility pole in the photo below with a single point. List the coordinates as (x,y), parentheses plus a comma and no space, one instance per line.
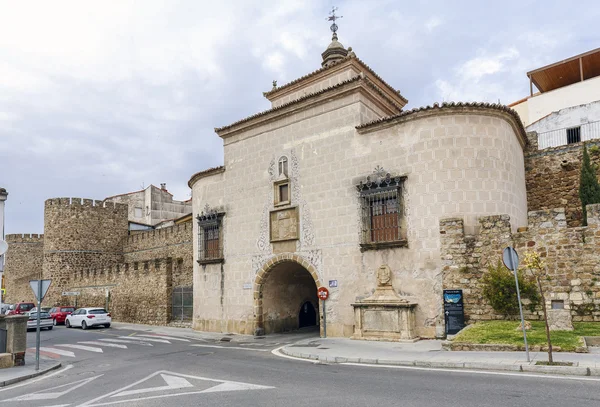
(3,197)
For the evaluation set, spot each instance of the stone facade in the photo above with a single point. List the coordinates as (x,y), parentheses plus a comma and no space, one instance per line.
(570,254)
(553,178)
(24,262)
(456,160)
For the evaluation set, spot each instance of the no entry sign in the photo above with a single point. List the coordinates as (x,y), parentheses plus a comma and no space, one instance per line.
(323,293)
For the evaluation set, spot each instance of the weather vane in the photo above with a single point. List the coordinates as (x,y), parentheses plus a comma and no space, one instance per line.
(333,17)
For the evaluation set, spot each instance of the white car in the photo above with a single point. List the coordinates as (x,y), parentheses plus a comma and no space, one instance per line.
(87,317)
(45,321)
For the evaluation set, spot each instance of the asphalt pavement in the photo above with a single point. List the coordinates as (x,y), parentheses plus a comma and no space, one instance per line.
(158,367)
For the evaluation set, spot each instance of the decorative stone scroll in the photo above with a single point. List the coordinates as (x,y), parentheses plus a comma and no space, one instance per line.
(284,224)
(384,315)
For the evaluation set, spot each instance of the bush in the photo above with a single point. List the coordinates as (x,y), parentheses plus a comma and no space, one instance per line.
(500,291)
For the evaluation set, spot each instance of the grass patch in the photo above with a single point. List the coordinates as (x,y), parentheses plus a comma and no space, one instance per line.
(546,363)
(506,333)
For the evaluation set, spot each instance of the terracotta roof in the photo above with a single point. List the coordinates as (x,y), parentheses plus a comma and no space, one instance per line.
(350,56)
(303,98)
(450,105)
(204,173)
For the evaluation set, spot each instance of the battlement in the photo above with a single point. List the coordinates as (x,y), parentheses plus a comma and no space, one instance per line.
(159,233)
(122,269)
(25,238)
(83,202)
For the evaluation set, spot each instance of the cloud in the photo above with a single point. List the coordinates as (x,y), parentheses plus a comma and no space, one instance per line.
(433,23)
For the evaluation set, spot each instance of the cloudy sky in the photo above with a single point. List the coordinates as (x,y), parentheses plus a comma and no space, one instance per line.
(102,98)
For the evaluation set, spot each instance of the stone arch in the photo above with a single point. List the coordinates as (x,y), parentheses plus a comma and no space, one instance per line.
(261,277)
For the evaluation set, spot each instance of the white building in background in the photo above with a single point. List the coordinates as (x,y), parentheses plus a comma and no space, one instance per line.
(566,108)
(3,196)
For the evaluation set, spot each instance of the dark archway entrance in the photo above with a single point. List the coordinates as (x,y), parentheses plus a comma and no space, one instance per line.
(307,315)
(286,297)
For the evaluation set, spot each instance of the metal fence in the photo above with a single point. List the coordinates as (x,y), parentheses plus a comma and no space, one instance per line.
(574,134)
(183,304)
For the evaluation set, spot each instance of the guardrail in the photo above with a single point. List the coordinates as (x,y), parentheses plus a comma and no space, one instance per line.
(575,134)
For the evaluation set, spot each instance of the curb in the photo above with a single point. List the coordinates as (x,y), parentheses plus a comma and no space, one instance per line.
(30,375)
(555,370)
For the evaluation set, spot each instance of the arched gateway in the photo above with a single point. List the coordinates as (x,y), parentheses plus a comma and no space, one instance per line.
(282,289)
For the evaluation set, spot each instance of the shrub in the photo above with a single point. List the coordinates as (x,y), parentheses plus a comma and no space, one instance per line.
(500,291)
(589,188)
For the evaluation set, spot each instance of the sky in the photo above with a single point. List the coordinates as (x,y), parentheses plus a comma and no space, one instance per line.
(104,98)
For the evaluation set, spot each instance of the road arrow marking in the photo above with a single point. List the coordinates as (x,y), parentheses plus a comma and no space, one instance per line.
(51,393)
(174,381)
(164,337)
(112,345)
(145,339)
(125,341)
(81,347)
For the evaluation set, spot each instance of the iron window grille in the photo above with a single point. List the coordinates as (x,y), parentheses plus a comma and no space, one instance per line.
(210,237)
(382,212)
(574,135)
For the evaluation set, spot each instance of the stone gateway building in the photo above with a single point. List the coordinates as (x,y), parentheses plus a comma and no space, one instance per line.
(331,183)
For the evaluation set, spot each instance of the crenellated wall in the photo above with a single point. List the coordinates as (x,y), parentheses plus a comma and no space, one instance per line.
(139,292)
(80,233)
(23,263)
(570,254)
(175,242)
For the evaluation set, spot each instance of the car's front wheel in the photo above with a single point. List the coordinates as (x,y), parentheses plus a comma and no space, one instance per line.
(67,323)
(84,325)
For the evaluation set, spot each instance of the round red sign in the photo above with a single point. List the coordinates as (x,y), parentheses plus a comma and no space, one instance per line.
(323,293)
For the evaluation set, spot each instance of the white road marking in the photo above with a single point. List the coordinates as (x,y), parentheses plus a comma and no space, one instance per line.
(145,339)
(486,372)
(51,393)
(112,345)
(57,351)
(223,385)
(164,337)
(81,347)
(173,383)
(230,347)
(28,382)
(277,352)
(125,341)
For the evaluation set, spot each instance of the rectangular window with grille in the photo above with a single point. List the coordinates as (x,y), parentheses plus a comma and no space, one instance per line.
(382,218)
(210,244)
(574,135)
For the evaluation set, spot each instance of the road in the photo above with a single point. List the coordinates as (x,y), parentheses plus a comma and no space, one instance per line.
(146,369)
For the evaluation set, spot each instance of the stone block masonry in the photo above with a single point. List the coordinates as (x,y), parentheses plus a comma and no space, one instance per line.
(23,263)
(570,255)
(139,292)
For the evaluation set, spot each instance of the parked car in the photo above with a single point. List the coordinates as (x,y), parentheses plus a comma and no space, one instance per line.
(21,308)
(44,309)
(5,308)
(45,321)
(59,314)
(88,317)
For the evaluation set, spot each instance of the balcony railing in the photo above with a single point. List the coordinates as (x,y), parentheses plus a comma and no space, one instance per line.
(570,135)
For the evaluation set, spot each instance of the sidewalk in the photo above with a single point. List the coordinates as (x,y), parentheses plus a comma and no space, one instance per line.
(14,375)
(429,353)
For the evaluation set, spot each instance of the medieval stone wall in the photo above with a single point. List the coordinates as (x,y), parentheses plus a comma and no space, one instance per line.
(175,242)
(23,263)
(79,234)
(552,177)
(138,292)
(570,254)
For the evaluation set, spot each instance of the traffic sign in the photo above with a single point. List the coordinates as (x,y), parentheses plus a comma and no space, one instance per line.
(323,293)
(70,293)
(34,287)
(510,258)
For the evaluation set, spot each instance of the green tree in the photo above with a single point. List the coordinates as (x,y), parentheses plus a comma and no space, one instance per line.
(501,293)
(589,188)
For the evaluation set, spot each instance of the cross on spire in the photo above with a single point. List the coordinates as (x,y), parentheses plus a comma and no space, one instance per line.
(333,17)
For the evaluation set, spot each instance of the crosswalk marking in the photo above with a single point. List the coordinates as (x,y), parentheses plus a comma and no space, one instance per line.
(125,341)
(81,347)
(57,351)
(164,337)
(230,347)
(145,339)
(112,345)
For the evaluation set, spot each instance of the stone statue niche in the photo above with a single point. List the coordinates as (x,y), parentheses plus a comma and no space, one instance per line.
(384,316)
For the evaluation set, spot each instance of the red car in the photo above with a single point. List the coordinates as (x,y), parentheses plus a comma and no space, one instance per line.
(21,308)
(59,314)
